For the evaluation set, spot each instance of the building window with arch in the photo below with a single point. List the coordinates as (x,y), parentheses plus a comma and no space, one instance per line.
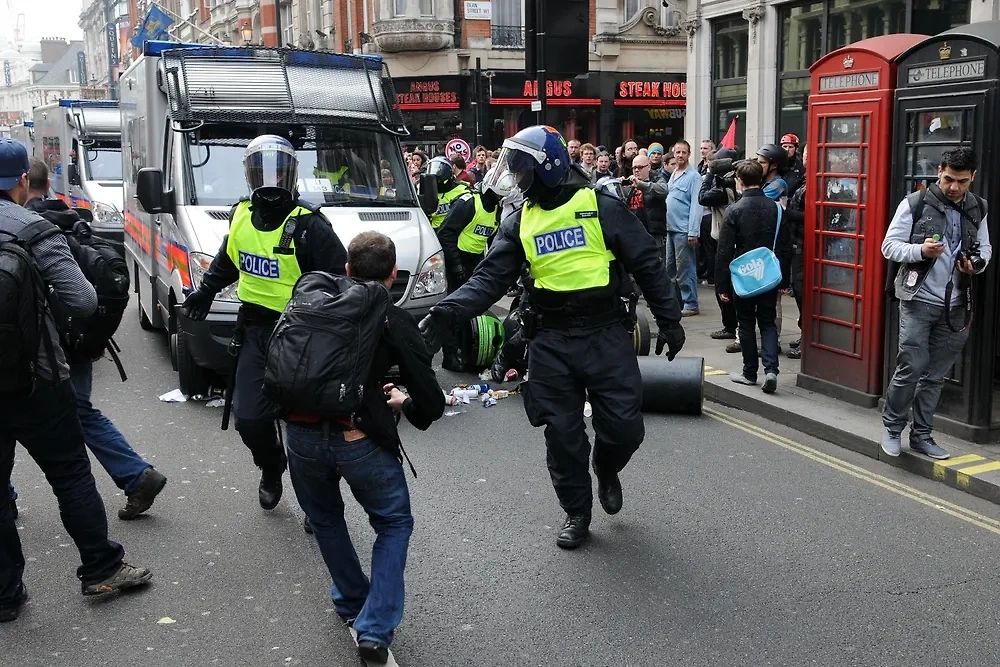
(730,44)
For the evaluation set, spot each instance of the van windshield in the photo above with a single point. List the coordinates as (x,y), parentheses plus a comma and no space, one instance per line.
(337,166)
(104,163)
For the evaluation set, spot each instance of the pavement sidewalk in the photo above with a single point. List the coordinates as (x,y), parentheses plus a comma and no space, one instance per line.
(972,468)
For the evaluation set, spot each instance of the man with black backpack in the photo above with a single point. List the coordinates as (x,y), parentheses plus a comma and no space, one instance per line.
(37,402)
(326,367)
(274,237)
(86,339)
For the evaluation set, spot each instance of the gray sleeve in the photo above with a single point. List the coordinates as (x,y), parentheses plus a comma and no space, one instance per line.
(897,247)
(985,249)
(658,187)
(61,272)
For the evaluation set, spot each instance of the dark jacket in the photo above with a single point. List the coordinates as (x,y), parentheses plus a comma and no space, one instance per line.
(633,248)
(749,224)
(317,248)
(457,262)
(55,211)
(794,174)
(653,210)
(713,193)
(795,214)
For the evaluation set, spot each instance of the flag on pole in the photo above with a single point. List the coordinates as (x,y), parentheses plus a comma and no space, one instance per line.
(729,141)
(153,28)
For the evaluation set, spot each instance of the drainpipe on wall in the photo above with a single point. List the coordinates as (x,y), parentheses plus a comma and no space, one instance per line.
(351,35)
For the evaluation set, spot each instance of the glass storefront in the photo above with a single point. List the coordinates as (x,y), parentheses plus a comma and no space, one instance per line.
(730,44)
(809,30)
(731,102)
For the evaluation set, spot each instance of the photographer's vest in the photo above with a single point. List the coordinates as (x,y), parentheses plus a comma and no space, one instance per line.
(929,218)
(268,271)
(565,246)
(483,225)
(444,203)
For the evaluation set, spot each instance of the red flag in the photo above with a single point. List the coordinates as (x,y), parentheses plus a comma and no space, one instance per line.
(729,141)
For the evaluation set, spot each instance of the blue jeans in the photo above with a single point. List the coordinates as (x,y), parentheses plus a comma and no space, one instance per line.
(681,267)
(316,463)
(103,439)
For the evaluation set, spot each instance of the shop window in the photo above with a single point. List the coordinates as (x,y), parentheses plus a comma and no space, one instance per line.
(853,20)
(801,36)
(731,39)
(731,102)
(931,17)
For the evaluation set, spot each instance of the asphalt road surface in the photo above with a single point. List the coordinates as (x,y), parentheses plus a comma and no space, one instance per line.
(741,543)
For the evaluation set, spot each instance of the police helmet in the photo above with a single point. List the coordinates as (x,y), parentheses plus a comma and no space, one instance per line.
(775,155)
(494,191)
(537,158)
(611,185)
(440,168)
(270,162)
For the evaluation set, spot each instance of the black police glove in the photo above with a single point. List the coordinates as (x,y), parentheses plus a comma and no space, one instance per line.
(434,326)
(198,303)
(672,337)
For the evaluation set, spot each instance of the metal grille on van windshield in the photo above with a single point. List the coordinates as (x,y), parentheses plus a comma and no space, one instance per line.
(224,84)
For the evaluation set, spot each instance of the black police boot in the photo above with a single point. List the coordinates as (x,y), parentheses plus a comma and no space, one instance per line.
(609,491)
(269,492)
(574,531)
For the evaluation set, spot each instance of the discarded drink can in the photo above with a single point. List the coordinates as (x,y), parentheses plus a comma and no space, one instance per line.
(489,401)
(510,376)
(452,400)
(499,394)
(480,388)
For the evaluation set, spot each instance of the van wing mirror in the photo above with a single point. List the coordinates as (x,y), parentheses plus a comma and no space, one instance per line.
(73,174)
(149,189)
(427,193)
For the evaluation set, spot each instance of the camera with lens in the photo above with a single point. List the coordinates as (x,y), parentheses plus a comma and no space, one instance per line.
(721,167)
(972,254)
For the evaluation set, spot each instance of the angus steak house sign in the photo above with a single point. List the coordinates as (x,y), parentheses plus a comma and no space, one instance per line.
(427,93)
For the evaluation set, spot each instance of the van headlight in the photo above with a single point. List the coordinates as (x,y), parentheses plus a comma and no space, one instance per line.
(199,263)
(106,215)
(431,278)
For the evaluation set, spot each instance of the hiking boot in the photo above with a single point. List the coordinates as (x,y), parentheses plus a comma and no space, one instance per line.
(269,491)
(151,482)
(794,353)
(574,531)
(734,348)
(928,447)
(723,334)
(891,444)
(11,610)
(609,492)
(795,344)
(125,577)
(770,383)
(373,652)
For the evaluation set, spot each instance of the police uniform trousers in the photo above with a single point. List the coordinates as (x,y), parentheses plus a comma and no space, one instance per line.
(566,368)
(254,413)
(453,359)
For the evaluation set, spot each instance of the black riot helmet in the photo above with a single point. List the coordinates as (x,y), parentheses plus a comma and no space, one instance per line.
(775,156)
(440,168)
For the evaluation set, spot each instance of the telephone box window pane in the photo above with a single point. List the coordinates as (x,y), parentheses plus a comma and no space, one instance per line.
(860,289)
(864,190)
(853,20)
(839,219)
(837,249)
(859,312)
(836,336)
(841,190)
(838,307)
(861,221)
(801,36)
(940,126)
(794,107)
(931,17)
(845,130)
(842,160)
(838,278)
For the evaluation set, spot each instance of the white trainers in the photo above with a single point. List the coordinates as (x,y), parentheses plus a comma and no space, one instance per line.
(891,443)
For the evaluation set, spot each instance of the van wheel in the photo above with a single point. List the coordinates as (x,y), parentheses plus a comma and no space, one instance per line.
(192,378)
(173,350)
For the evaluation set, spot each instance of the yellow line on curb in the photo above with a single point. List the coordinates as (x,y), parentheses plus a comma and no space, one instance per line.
(960,460)
(926,499)
(985,467)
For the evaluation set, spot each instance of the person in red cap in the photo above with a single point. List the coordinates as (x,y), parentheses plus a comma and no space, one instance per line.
(795,171)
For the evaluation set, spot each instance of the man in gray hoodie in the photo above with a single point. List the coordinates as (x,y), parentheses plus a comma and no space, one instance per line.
(940,238)
(45,421)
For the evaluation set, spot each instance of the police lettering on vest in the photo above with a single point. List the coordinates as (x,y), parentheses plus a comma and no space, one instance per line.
(559,240)
(262,267)
(483,230)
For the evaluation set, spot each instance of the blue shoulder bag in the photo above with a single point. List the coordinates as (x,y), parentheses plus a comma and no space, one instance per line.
(758,271)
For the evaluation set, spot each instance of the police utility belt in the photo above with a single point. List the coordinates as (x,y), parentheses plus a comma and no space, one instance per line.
(554,320)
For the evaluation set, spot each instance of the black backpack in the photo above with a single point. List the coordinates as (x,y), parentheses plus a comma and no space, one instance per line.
(321,351)
(107,271)
(23,308)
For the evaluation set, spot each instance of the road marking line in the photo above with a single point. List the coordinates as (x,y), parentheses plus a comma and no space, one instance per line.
(716,372)
(934,502)
(960,460)
(985,467)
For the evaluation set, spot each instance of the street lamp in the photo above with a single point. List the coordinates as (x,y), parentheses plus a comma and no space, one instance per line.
(247,33)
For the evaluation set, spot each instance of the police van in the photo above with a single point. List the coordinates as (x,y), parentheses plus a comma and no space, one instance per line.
(25,133)
(80,142)
(188,113)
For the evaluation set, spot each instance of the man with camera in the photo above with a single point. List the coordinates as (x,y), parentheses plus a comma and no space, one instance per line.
(718,192)
(940,238)
(646,196)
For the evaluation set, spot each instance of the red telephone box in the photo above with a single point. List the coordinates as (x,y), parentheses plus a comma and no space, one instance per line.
(847,214)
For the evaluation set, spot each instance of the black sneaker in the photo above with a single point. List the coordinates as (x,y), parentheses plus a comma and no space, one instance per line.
(127,576)
(795,344)
(723,334)
(150,484)
(10,611)
(574,531)
(373,652)
(609,492)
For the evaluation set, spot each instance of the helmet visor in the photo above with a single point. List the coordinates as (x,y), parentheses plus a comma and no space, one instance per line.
(271,165)
(514,169)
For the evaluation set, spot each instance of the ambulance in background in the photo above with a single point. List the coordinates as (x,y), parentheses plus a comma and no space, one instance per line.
(188,113)
(81,142)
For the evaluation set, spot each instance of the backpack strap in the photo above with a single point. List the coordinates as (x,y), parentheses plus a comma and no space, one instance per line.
(33,232)
(777,228)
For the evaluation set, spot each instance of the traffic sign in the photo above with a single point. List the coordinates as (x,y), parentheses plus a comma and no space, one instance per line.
(458,146)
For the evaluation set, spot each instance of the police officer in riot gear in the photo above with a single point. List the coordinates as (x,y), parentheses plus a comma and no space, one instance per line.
(580,244)
(273,239)
(449,188)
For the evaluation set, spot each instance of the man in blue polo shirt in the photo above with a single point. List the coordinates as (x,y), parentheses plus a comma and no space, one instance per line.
(684,227)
